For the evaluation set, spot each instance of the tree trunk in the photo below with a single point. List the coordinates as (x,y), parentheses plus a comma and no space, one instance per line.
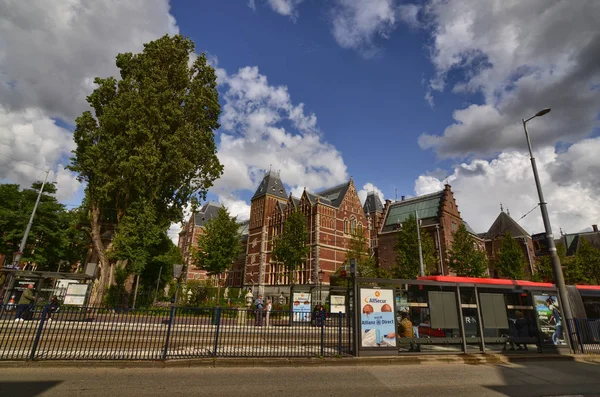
(103,264)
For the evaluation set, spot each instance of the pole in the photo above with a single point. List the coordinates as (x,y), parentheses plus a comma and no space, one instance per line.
(157,283)
(19,254)
(419,241)
(556,267)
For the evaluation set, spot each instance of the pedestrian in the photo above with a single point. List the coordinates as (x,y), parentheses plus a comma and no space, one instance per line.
(25,304)
(268,311)
(53,307)
(259,305)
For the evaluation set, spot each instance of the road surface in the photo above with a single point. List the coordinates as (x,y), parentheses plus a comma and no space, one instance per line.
(431,380)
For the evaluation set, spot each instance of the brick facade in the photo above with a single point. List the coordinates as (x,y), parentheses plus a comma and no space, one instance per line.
(330,217)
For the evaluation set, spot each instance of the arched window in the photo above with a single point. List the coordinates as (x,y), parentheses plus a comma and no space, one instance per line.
(360,228)
(352,225)
(346,226)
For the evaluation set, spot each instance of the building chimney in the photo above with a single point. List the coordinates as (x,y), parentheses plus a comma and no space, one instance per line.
(595,228)
(403,198)
(388,202)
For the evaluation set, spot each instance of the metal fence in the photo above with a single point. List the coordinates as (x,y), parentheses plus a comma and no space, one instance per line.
(588,335)
(91,333)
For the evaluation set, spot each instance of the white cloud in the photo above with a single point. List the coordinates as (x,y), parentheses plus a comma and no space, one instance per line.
(285,7)
(288,8)
(263,129)
(236,206)
(522,56)
(31,142)
(369,188)
(49,54)
(568,179)
(357,24)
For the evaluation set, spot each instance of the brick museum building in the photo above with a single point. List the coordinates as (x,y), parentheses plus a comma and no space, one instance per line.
(332,215)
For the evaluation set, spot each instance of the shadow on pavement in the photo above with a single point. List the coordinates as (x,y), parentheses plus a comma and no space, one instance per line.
(26,389)
(547,378)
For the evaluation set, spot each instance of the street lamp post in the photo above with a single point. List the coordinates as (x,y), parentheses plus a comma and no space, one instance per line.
(321,273)
(556,267)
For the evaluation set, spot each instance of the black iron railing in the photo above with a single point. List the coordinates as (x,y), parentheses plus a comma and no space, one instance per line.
(587,332)
(89,333)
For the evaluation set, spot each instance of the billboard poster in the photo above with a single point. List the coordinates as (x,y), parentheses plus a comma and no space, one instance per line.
(549,319)
(76,294)
(377,322)
(338,304)
(301,306)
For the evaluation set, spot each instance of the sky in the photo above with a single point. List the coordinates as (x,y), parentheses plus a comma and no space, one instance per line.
(402,96)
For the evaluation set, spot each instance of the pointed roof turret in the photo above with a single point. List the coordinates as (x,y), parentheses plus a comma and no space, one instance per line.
(504,223)
(271,184)
(372,203)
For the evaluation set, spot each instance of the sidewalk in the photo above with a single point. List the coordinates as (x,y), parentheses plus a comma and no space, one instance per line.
(470,359)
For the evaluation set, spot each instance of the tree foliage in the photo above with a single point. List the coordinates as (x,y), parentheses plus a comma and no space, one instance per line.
(290,246)
(511,259)
(366,265)
(543,269)
(56,238)
(219,245)
(587,259)
(464,258)
(148,143)
(407,264)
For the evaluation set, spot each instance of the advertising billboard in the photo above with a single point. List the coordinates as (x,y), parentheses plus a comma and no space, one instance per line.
(378,324)
(550,319)
(301,306)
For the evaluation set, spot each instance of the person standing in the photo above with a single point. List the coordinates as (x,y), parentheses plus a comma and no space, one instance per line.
(268,309)
(25,304)
(259,305)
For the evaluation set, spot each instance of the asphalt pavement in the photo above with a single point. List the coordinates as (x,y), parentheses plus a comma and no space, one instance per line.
(548,378)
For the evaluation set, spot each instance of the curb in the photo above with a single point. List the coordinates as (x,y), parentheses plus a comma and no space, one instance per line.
(468,359)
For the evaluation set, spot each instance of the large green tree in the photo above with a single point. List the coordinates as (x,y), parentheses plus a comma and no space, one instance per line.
(358,249)
(407,264)
(587,259)
(219,245)
(511,259)
(289,248)
(543,269)
(149,140)
(54,241)
(464,258)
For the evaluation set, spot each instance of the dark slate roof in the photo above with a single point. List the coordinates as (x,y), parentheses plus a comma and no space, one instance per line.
(334,196)
(573,241)
(427,207)
(504,223)
(206,213)
(372,203)
(296,201)
(243,227)
(282,206)
(271,184)
(469,229)
(313,198)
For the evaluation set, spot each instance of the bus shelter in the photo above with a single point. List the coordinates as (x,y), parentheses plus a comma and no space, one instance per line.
(46,284)
(443,314)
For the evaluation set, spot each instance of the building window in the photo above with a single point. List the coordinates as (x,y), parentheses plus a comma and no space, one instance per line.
(360,228)
(345,225)
(352,225)
(454,227)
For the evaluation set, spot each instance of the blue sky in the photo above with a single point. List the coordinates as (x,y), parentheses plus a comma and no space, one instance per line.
(372,110)
(402,95)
